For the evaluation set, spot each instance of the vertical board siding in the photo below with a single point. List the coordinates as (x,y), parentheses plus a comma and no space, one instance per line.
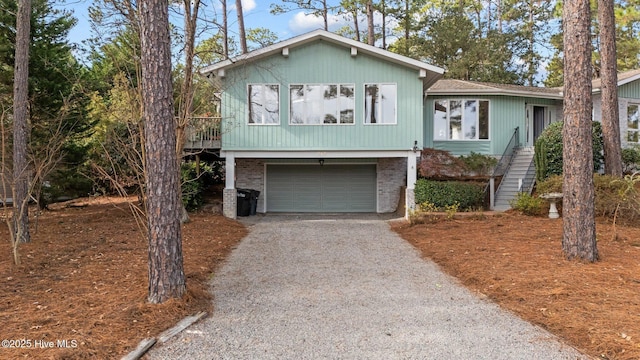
(505,114)
(321,63)
(630,90)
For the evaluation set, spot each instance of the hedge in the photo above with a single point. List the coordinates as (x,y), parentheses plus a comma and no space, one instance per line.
(447,193)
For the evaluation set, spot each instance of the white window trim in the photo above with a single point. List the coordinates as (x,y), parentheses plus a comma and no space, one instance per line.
(249,105)
(322,123)
(448,114)
(364,95)
(626,124)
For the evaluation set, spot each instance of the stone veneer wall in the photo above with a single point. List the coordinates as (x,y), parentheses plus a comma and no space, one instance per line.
(250,175)
(229,203)
(392,175)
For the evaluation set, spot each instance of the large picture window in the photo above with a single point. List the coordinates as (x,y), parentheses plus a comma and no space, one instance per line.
(461,120)
(318,104)
(264,104)
(380,102)
(633,116)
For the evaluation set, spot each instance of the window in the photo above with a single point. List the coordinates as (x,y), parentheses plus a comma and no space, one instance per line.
(633,115)
(461,120)
(380,102)
(317,104)
(264,104)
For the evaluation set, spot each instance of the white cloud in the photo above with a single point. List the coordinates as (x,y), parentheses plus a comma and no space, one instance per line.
(301,22)
(248,5)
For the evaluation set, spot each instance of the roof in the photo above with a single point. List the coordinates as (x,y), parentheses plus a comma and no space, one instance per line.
(462,87)
(429,73)
(623,78)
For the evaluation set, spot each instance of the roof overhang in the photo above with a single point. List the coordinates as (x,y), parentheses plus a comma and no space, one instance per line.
(497,92)
(428,73)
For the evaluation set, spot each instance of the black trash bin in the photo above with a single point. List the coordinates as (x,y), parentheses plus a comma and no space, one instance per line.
(254,201)
(243,202)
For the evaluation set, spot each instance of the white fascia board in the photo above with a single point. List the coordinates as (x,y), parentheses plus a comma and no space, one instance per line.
(328,36)
(327,154)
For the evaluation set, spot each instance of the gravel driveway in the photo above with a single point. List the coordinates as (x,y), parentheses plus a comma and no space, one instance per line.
(305,287)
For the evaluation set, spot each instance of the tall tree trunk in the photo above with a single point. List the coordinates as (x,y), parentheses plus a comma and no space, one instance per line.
(371,39)
(166,274)
(225,30)
(20,123)
(609,80)
(325,15)
(354,12)
(383,12)
(243,35)
(579,236)
(191,9)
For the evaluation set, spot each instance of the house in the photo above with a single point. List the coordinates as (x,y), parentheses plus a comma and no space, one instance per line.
(322,123)
(465,116)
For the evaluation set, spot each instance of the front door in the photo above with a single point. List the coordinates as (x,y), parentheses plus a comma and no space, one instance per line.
(538,118)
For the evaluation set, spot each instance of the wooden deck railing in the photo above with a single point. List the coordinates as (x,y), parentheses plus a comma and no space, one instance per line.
(203,132)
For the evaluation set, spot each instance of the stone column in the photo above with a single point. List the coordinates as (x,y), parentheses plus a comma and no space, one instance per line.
(412,177)
(229,194)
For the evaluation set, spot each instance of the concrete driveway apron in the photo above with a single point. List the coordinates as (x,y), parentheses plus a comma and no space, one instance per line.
(347,287)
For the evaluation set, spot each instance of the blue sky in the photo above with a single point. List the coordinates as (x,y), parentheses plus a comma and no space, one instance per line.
(256,13)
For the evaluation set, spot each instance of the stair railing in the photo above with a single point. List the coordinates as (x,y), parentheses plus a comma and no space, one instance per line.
(503,165)
(526,185)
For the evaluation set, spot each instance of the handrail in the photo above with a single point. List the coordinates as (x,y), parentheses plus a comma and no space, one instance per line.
(203,129)
(529,179)
(504,163)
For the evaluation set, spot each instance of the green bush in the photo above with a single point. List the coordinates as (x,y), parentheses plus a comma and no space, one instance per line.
(549,185)
(550,143)
(481,165)
(443,194)
(631,159)
(530,205)
(193,185)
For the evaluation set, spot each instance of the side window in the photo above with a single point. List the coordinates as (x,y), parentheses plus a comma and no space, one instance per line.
(633,116)
(380,103)
(264,104)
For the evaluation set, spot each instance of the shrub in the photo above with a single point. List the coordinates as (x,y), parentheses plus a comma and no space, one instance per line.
(611,194)
(193,185)
(631,159)
(550,143)
(479,164)
(440,164)
(529,205)
(443,194)
(549,185)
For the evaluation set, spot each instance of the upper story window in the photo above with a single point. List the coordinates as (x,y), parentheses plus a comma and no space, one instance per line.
(461,120)
(264,104)
(380,103)
(317,104)
(633,116)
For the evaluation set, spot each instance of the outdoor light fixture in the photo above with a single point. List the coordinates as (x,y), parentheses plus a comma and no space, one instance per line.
(415,146)
(321,161)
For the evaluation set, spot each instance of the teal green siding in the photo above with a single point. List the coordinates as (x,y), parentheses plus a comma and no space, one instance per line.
(315,63)
(505,114)
(630,90)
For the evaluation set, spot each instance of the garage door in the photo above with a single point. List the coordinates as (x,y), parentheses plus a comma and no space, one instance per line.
(315,188)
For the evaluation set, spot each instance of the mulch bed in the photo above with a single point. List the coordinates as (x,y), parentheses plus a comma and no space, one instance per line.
(83,279)
(517,262)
